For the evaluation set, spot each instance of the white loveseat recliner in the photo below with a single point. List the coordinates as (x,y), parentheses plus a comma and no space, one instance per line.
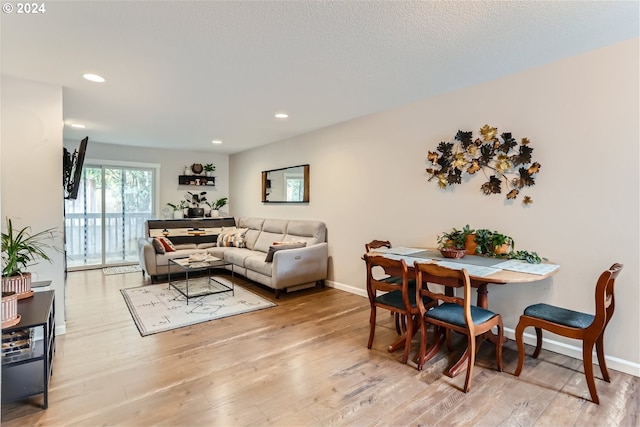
(290,268)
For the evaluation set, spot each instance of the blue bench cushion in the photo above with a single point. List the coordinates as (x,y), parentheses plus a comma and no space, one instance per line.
(559,315)
(454,314)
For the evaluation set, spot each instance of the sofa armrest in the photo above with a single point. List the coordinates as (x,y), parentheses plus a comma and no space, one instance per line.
(147,256)
(302,265)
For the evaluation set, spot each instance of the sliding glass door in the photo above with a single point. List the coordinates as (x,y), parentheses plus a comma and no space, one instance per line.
(103,224)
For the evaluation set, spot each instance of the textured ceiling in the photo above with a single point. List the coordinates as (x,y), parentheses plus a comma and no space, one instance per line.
(180,74)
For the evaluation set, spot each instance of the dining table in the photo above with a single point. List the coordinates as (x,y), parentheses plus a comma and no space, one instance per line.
(482,270)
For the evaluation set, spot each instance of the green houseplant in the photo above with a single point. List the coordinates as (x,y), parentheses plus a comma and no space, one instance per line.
(217,205)
(178,209)
(452,244)
(492,242)
(195,201)
(209,169)
(20,249)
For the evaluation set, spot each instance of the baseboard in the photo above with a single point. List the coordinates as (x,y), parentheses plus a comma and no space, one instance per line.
(616,363)
(576,352)
(347,288)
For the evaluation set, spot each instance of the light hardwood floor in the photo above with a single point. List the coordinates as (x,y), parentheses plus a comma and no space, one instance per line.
(302,363)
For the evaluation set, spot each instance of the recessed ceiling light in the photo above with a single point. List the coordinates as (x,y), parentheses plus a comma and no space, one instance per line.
(216,141)
(281,115)
(94,78)
(78,126)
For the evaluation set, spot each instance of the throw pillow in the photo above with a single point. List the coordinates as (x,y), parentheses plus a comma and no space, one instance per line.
(225,238)
(168,245)
(239,238)
(278,246)
(158,246)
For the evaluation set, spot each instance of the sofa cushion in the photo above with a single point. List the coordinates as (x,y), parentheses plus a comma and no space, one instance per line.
(266,239)
(278,246)
(162,260)
(311,232)
(157,245)
(166,243)
(256,263)
(255,227)
(237,256)
(179,246)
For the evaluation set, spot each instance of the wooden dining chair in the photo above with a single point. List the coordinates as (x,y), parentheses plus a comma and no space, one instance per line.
(400,321)
(376,244)
(398,297)
(573,324)
(454,313)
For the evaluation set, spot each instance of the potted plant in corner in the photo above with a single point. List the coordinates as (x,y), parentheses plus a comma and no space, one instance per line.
(195,201)
(20,249)
(217,205)
(178,209)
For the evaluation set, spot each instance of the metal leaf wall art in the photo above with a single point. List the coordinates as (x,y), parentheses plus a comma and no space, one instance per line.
(505,162)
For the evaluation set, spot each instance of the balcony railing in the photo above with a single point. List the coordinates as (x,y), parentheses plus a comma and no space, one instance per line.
(84,237)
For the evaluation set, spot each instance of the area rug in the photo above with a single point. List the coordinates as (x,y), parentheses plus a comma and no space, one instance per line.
(121,269)
(156,308)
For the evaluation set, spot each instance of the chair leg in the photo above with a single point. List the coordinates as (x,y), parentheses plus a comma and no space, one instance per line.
(587,351)
(519,331)
(536,353)
(372,326)
(422,351)
(471,361)
(499,347)
(407,342)
(601,360)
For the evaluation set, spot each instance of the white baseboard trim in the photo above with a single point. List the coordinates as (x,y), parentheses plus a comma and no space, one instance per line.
(616,363)
(60,329)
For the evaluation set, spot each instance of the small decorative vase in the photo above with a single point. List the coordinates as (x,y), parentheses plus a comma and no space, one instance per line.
(178,214)
(208,173)
(215,213)
(187,170)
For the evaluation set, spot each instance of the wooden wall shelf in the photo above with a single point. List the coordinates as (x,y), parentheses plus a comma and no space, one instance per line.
(198,180)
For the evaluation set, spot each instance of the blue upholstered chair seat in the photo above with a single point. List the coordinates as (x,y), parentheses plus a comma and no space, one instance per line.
(562,316)
(394,298)
(454,314)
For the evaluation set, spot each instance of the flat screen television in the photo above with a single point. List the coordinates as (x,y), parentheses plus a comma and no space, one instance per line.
(72,169)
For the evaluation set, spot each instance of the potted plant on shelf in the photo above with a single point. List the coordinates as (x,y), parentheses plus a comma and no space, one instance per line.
(217,205)
(178,209)
(20,249)
(209,169)
(195,201)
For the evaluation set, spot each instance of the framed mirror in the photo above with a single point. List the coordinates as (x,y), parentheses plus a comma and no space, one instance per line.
(286,185)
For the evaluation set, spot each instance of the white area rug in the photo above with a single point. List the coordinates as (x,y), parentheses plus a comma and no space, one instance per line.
(121,269)
(156,308)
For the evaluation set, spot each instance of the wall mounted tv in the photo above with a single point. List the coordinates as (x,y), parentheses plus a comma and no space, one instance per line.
(72,169)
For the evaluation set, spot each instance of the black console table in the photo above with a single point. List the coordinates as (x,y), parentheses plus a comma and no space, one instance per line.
(28,374)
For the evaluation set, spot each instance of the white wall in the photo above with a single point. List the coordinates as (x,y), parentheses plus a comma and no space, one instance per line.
(32,170)
(172,163)
(581,114)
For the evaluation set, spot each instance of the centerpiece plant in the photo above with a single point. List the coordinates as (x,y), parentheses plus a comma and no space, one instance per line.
(485,242)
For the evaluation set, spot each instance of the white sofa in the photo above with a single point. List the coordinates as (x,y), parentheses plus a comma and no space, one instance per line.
(290,268)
